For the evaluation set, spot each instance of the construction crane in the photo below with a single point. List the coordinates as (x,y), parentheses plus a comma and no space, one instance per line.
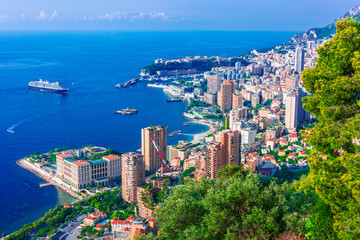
(164,164)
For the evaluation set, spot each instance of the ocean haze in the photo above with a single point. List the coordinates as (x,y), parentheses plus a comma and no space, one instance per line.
(90,64)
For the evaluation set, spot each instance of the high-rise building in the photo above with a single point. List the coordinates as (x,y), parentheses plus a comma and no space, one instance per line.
(214,160)
(291,110)
(299,60)
(213,83)
(227,152)
(133,175)
(238,66)
(237,101)
(302,114)
(230,144)
(226,94)
(152,158)
(310,46)
(255,100)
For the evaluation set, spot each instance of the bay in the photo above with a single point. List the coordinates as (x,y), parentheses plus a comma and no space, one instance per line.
(90,64)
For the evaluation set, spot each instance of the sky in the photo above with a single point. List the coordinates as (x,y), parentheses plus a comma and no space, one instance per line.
(170,15)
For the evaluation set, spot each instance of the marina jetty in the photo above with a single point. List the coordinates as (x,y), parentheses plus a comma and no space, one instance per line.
(26,164)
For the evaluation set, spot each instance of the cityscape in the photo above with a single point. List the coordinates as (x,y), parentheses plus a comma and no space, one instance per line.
(259,113)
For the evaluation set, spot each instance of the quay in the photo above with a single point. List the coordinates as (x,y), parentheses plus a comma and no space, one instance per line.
(24,163)
(45,184)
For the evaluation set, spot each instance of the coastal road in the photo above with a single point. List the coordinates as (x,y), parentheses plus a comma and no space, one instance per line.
(70,229)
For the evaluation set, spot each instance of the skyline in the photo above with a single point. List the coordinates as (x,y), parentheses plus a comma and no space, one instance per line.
(241,15)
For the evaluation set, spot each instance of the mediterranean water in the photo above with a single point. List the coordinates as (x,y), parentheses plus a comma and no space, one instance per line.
(90,64)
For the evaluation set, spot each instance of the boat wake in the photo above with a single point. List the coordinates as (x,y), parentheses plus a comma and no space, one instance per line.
(11,129)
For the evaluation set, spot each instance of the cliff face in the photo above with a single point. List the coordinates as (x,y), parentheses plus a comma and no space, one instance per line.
(324,32)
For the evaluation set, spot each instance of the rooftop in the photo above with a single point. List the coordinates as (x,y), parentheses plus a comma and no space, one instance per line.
(111,156)
(99,161)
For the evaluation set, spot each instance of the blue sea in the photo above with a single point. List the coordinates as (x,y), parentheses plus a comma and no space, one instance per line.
(90,64)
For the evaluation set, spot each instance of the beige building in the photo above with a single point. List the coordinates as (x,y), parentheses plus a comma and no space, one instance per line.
(227,152)
(225,98)
(214,160)
(182,151)
(237,101)
(82,173)
(114,168)
(133,175)
(151,156)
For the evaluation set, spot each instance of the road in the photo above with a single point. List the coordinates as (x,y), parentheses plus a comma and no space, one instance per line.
(70,230)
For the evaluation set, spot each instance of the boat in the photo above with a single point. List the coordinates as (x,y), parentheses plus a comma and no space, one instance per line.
(174,100)
(127,111)
(46,86)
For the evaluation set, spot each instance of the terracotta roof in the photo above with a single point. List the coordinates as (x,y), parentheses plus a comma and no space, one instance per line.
(90,218)
(81,162)
(150,219)
(111,156)
(100,213)
(120,222)
(139,231)
(125,229)
(64,155)
(130,218)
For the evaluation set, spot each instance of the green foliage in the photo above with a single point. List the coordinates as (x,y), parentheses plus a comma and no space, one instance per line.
(335,87)
(238,207)
(198,65)
(197,103)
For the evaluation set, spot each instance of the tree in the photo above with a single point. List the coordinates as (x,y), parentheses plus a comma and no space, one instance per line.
(335,87)
(242,206)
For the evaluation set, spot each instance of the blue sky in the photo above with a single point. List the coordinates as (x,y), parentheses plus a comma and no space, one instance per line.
(283,15)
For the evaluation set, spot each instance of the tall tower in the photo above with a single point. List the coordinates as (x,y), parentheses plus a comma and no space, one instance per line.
(291,110)
(133,175)
(227,152)
(151,156)
(299,60)
(230,144)
(226,94)
(214,160)
(214,83)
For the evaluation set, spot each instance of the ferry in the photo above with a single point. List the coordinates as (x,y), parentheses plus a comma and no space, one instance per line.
(46,86)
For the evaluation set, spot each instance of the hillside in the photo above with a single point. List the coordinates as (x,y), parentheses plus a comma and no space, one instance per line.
(324,32)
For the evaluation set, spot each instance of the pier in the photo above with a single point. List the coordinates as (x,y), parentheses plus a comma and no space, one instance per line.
(173,133)
(45,184)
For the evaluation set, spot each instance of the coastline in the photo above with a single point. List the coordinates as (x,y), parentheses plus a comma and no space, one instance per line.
(198,137)
(45,176)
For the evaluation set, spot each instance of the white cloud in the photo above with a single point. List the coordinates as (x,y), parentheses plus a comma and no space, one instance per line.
(43,15)
(53,15)
(117,16)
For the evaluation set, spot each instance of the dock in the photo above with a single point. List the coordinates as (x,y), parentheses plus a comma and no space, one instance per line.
(173,133)
(45,184)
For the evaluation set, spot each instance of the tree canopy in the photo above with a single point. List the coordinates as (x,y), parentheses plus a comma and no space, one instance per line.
(335,165)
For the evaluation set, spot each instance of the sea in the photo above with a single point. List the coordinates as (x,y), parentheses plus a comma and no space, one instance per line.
(90,64)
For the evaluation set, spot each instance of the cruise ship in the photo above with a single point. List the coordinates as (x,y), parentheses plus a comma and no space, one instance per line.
(46,86)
